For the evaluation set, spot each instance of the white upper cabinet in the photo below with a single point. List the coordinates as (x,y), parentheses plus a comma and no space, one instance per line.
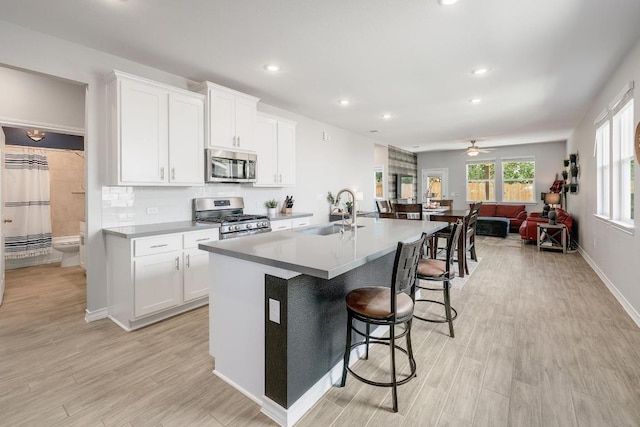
(186,139)
(230,117)
(155,133)
(276,148)
(143,133)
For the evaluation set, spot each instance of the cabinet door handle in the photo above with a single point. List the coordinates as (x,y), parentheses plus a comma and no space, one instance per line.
(235,143)
(173,173)
(162,172)
(280,178)
(177,263)
(238,141)
(200,240)
(8,221)
(275,178)
(159,246)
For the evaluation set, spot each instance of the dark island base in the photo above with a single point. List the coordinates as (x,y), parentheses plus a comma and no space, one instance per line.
(310,339)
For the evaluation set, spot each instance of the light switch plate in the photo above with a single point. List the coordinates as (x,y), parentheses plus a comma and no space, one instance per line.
(152,211)
(274,310)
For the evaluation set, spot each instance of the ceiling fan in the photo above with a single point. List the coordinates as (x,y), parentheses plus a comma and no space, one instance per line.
(474,151)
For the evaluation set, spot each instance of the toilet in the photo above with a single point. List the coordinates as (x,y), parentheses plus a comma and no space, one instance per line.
(70,251)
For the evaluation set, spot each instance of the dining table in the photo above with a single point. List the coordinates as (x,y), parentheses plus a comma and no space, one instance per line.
(453,216)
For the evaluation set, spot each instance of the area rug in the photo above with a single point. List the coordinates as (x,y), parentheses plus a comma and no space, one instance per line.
(513,240)
(459,282)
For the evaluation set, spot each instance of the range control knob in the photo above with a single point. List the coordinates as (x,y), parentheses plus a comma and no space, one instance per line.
(249,226)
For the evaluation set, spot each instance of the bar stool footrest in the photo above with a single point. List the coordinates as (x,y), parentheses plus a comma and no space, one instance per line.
(401,381)
(453,317)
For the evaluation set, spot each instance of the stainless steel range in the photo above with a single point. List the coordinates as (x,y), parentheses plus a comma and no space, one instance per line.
(229,213)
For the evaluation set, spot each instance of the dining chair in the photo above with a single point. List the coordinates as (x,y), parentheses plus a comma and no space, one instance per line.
(472,223)
(408,211)
(384,209)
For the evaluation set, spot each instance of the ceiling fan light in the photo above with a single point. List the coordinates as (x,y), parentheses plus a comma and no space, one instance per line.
(472,153)
(447,2)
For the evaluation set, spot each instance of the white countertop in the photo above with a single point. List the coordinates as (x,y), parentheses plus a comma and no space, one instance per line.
(144,230)
(324,256)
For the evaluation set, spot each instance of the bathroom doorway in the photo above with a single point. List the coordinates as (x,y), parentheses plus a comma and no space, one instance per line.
(46,106)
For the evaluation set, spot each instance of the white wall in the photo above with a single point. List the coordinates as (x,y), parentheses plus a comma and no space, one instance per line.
(613,253)
(344,161)
(37,98)
(549,162)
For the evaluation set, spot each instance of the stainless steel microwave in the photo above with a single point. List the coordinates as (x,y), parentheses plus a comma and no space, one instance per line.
(230,166)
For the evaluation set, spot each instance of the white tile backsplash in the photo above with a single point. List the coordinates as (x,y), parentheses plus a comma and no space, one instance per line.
(123,206)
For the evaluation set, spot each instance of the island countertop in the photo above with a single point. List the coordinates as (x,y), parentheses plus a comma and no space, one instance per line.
(327,256)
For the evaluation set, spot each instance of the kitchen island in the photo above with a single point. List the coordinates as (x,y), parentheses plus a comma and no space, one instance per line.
(277,313)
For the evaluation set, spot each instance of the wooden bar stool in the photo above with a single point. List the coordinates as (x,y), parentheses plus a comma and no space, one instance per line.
(438,270)
(386,306)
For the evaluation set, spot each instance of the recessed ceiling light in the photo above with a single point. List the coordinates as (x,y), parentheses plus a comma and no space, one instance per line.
(475,100)
(386,116)
(480,70)
(373,131)
(447,2)
(344,102)
(272,67)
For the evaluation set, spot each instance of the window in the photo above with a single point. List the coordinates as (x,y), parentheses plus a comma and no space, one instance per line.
(615,162)
(518,177)
(602,168)
(623,163)
(481,181)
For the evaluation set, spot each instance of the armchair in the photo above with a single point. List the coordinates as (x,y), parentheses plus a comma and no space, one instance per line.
(528,228)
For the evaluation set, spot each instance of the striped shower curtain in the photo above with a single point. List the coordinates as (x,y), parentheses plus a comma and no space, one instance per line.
(27,203)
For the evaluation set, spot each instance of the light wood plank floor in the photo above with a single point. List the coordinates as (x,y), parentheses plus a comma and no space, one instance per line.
(540,341)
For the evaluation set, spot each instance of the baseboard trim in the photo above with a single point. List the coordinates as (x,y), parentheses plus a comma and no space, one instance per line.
(631,311)
(92,316)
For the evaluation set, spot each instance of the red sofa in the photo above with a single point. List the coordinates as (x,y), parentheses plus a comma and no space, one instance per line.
(528,229)
(516,214)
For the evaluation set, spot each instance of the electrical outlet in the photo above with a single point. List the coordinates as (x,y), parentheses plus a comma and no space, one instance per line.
(274,311)
(594,242)
(152,211)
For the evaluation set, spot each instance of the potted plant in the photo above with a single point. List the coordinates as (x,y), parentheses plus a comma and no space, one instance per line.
(573,158)
(272,207)
(573,188)
(349,206)
(332,201)
(565,175)
(574,170)
(566,162)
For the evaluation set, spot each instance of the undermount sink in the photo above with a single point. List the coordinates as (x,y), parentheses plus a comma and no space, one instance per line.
(326,230)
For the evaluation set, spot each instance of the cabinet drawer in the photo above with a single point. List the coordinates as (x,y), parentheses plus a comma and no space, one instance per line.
(300,222)
(284,224)
(157,245)
(193,239)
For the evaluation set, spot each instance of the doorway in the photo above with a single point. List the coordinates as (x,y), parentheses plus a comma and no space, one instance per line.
(435,184)
(51,105)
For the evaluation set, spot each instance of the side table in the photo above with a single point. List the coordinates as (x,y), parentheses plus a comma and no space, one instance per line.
(552,236)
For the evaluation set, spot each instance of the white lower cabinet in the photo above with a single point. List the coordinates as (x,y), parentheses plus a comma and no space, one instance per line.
(152,278)
(280,225)
(288,224)
(156,282)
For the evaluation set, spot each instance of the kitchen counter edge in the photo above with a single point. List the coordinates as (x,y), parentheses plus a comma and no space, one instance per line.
(146,230)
